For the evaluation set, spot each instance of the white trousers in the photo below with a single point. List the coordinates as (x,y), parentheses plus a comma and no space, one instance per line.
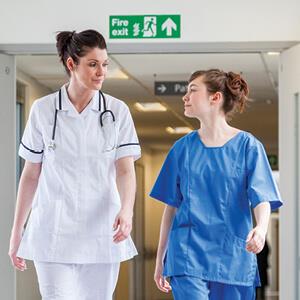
(77,281)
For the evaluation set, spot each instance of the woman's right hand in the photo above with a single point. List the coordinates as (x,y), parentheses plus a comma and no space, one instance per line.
(18,262)
(160,280)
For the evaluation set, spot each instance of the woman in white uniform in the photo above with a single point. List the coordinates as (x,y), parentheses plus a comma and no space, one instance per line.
(78,180)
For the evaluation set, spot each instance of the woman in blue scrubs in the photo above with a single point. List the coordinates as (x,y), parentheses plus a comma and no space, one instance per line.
(211,181)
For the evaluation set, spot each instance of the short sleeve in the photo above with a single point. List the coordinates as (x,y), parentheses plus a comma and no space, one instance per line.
(261,185)
(167,185)
(32,145)
(128,144)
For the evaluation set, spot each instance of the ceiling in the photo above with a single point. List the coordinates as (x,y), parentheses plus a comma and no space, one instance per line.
(260,70)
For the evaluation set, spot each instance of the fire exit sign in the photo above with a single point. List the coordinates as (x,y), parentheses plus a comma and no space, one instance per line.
(144,27)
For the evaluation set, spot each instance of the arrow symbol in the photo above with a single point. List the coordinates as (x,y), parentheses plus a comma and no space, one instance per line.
(169,25)
(162,88)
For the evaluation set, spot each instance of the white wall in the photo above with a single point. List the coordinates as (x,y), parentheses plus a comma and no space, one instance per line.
(7,170)
(289,85)
(35,21)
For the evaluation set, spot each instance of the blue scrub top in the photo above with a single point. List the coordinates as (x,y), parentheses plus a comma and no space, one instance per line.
(214,189)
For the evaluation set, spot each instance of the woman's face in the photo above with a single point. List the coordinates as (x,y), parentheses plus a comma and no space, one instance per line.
(197,101)
(91,70)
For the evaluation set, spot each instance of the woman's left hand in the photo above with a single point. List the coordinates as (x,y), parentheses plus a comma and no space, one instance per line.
(255,240)
(123,222)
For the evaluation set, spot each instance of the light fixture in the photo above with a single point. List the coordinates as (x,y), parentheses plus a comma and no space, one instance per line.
(150,106)
(116,74)
(273,53)
(269,101)
(178,130)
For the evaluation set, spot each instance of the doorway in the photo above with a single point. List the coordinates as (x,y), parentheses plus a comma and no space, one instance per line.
(132,78)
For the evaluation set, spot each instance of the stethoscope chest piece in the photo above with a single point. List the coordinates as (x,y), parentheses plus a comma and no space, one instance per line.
(51,145)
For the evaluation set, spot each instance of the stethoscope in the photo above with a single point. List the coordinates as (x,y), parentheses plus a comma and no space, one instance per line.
(104,114)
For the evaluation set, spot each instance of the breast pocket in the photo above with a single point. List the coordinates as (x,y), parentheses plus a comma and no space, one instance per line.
(105,142)
(237,171)
(109,134)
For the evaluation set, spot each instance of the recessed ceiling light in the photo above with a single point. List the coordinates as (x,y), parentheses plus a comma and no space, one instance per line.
(150,106)
(273,53)
(116,74)
(269,101)
(178,130)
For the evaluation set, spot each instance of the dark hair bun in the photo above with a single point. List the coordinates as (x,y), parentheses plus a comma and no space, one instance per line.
(63,39)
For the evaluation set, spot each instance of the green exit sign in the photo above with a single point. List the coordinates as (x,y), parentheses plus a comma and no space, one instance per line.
(144,27)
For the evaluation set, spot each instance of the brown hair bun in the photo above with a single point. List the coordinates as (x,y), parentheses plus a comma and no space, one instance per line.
(237,89)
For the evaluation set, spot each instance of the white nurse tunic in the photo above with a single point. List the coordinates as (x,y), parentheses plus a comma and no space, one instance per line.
(76,200)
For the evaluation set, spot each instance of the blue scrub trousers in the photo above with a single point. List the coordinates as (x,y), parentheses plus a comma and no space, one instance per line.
(188,287)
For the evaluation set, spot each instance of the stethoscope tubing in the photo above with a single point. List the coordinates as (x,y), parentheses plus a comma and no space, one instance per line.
(101,96)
